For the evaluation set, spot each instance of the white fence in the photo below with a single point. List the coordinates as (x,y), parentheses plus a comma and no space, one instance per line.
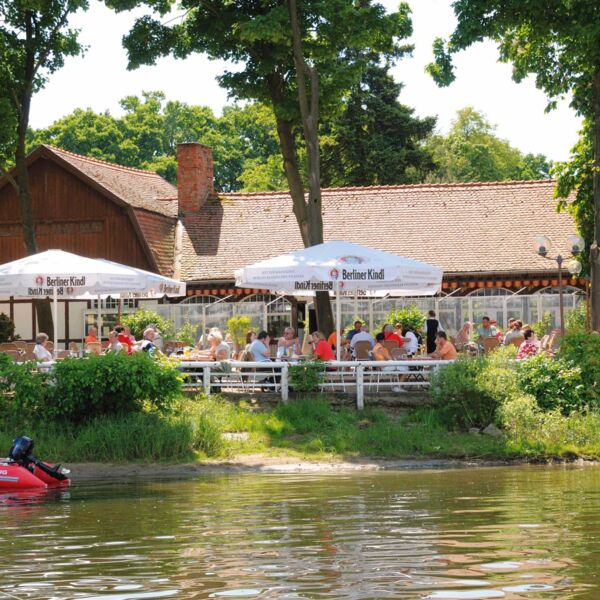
(344,376)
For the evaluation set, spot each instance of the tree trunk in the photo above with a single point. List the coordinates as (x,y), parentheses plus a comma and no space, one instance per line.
(594,250)
(42,307)
(310,122)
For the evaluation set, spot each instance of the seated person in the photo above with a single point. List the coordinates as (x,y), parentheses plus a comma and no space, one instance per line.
(260,348)
(219,350)
(353,332)
(389,335)
(250,337)
(444,349)
(288,343)
(147,343)
(41,352)
(125,338)
(463,337)
(529,346)
(92,335)
(114,345)
(514,332)
(321,348)
(487,329)
(380,352)
(411,341)
(362,336)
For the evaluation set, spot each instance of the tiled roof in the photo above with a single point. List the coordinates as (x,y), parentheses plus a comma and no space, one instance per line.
(138,188)
(464,228)
(159,233)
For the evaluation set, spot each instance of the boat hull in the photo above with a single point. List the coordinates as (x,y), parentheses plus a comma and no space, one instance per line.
(15,477)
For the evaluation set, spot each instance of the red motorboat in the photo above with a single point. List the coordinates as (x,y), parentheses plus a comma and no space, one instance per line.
(21,470)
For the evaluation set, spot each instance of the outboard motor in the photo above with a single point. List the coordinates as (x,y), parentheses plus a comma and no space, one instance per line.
(21,451)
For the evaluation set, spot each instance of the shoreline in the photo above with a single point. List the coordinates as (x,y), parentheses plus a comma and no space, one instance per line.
(262,463)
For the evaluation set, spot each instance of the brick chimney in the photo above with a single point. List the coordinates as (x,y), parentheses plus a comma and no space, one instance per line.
(194,176)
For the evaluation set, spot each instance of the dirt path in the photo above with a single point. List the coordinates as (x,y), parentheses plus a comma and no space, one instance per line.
(257,463)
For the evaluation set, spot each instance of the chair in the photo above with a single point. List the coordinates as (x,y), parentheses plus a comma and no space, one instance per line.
(14,354)
(29,346)
(172,345)
(94,347)
(399,353)
(489,344)
(391,345)
(362,350)
(63,354)
(8,346)
(21,345)
(517,340)
(27,355)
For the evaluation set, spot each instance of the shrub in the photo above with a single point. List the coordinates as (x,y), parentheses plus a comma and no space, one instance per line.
(544,326)
(555,383)
(583,350)
(238,327)
(7,328)
(411,316)
(109,385)
(306,376)
(141,318)
(576,320)
(457,391)
(187,334)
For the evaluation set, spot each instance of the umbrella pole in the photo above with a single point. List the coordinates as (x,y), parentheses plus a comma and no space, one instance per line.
(99,318)
(338,322)
(55,319)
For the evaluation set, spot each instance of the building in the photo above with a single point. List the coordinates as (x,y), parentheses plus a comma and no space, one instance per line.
(480,234)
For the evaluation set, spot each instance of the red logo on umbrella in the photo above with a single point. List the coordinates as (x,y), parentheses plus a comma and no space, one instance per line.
(334,274)
(39,280)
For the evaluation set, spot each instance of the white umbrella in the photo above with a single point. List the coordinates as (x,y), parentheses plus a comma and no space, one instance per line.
(338,267)
(58,274)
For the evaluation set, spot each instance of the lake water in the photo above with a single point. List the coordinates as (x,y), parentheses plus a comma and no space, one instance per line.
(518,532)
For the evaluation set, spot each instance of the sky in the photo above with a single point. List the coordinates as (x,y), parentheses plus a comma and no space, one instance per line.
(99,79)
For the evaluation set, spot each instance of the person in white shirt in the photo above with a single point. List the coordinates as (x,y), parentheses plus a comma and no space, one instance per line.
(114,345)
(411,342)
(41,352)
(362,336)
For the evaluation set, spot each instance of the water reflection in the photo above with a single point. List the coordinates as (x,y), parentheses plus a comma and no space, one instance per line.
(527,532)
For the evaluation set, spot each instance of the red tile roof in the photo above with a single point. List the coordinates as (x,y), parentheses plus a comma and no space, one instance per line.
(467,229)
(159,233)
(138,188)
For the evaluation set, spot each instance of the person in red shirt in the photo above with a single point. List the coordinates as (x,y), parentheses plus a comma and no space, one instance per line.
(124,338)
(321,349)
(388,334)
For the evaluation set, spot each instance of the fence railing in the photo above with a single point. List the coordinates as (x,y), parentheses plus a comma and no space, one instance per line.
(345,376)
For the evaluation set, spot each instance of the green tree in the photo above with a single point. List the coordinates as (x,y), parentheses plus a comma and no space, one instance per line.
(375,140)
(338,39)
(558,41)
(472,152)
(34,41)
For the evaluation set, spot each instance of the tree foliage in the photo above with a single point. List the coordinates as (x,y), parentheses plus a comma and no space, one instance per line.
(473,152)
(375,140)
(558,42)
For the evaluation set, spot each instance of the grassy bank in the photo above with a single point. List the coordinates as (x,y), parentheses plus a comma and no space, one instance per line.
(307,427)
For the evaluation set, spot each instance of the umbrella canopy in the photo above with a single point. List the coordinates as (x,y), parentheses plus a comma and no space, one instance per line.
(342,266)
(58,274)
(67,275)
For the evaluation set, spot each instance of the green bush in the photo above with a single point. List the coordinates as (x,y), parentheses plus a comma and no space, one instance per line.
(583,350)
(238,327)
(187,334)
(7,328)
(306,376)
(469,391)
(141,318)
(576,320)
(107,385)
(458,393)
(23,388)
(411,316)
(543,327)
(555,383)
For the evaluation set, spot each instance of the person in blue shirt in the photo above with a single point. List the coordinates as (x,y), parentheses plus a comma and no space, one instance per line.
(260,348)
(353,332)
